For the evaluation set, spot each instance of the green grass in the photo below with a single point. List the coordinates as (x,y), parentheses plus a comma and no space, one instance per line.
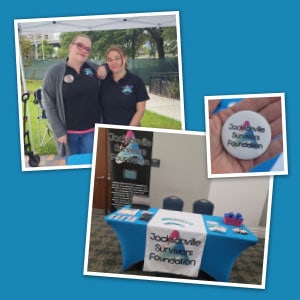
(155,120)
(150,119)
(49,148)
(33,85)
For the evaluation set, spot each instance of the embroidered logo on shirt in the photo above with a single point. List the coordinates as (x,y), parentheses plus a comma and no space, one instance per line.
(68,78)
(88,72)
(127,89)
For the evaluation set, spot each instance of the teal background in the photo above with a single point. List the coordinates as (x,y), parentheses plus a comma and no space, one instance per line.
(228,47)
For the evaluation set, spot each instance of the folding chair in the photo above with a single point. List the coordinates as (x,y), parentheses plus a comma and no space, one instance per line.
(203,206)
(173,203)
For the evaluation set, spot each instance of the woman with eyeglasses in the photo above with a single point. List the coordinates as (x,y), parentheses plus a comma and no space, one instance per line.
(71,98)
(123,95)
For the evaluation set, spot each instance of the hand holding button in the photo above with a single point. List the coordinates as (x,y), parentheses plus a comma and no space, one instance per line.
(245,134)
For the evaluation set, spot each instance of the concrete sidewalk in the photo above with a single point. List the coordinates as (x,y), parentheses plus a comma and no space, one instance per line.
(164,106)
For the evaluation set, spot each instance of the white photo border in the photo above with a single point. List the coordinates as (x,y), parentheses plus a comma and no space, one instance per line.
(247,174)
(48,20)
(167,279)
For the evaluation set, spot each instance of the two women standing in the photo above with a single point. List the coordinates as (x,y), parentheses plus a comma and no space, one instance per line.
(75,97)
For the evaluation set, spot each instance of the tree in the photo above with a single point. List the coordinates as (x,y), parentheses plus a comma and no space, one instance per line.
(169,35)
(45,50)
(136,39)
(165,40)
(156,34)
(27,51)
(133,40)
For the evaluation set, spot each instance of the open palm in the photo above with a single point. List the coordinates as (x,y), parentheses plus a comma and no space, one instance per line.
(221,160)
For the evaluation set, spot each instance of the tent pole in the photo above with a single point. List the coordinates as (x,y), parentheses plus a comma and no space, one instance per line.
(43,47)
(27,104)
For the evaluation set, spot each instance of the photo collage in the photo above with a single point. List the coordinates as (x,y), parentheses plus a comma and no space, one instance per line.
(165,203)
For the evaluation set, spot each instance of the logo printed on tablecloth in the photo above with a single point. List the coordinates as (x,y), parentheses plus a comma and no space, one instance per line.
(171,249)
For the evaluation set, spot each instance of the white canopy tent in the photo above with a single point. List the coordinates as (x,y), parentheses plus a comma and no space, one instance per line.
(109,22)
(86,23)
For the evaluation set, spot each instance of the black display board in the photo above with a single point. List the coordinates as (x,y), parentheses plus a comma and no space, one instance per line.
(130,163)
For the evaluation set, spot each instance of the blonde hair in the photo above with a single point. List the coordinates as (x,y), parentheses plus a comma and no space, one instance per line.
(75,38)
(118,49)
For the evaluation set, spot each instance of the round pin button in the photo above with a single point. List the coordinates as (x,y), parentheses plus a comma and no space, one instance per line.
(68,78)
(246,135)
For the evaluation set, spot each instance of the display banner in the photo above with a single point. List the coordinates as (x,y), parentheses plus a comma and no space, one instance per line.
(174,243)
(130,164)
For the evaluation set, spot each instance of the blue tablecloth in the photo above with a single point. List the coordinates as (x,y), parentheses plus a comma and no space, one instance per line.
(220,252)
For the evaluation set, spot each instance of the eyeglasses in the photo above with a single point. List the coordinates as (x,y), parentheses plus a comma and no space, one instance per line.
(81,47)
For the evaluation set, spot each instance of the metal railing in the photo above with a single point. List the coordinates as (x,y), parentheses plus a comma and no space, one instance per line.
(165,84)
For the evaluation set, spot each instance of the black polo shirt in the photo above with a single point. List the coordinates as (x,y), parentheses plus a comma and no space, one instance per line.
(81,98)
(118,99)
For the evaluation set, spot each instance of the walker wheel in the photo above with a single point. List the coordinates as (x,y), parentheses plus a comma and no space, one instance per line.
(34,160)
